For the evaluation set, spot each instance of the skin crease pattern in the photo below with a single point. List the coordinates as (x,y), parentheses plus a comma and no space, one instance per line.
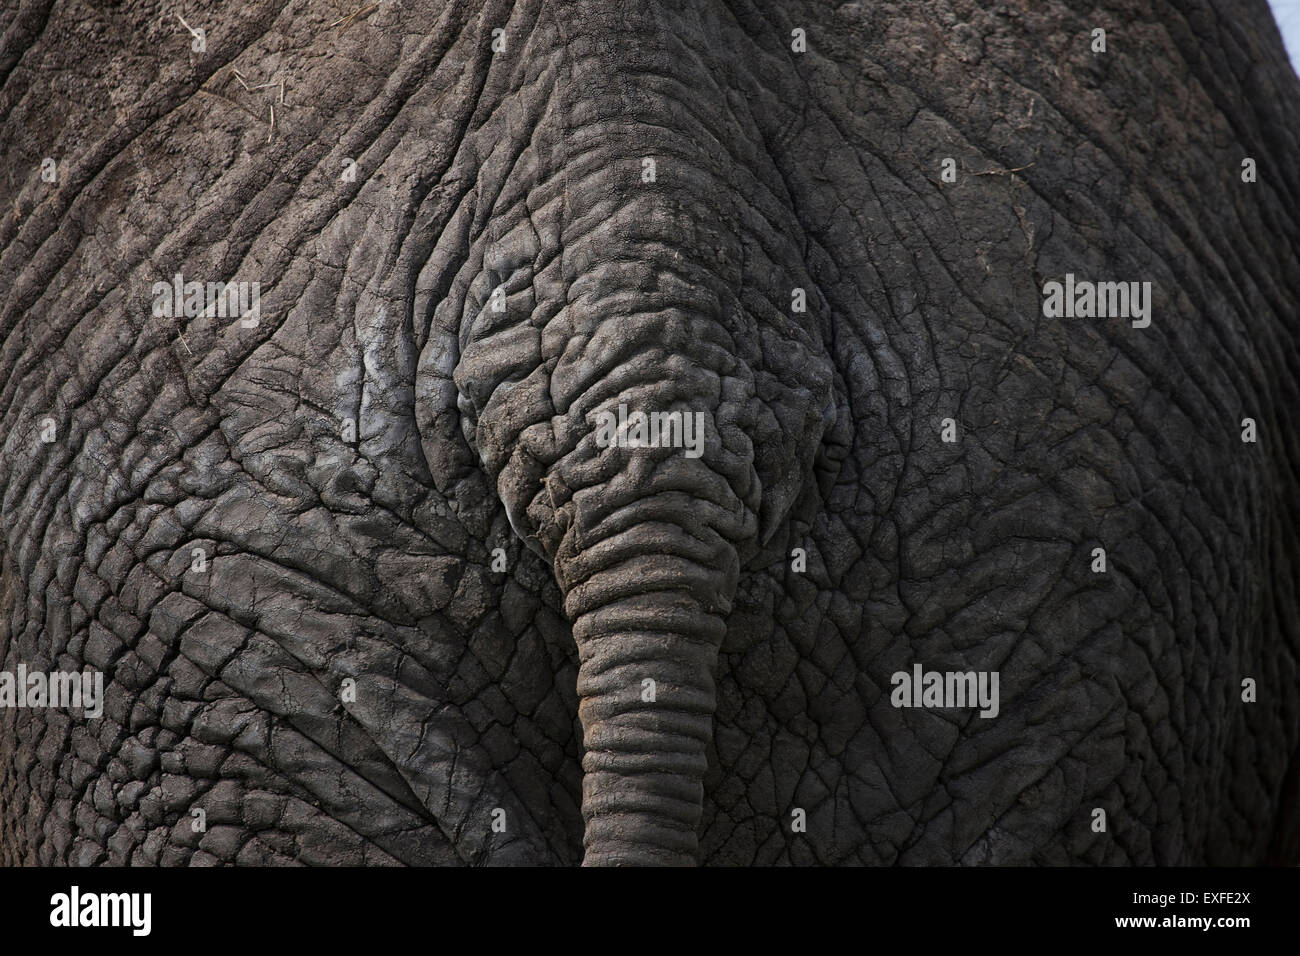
(964,341)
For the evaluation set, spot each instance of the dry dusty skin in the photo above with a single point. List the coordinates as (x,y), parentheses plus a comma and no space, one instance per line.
(366,583)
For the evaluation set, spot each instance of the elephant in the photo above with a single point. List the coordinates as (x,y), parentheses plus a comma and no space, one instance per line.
(735,433)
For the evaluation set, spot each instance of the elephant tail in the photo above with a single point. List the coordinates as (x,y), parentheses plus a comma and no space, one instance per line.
(648,462)
(648,584)
(648,413)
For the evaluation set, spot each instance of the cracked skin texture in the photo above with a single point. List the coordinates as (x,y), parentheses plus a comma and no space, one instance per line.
(372,560)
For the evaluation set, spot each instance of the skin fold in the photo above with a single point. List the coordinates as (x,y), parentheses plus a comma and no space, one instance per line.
(366,588)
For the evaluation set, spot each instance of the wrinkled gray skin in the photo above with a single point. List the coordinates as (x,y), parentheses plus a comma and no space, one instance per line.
(521,690)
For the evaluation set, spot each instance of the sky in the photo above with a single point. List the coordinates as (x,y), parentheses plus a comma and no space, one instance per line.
(1287,15)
